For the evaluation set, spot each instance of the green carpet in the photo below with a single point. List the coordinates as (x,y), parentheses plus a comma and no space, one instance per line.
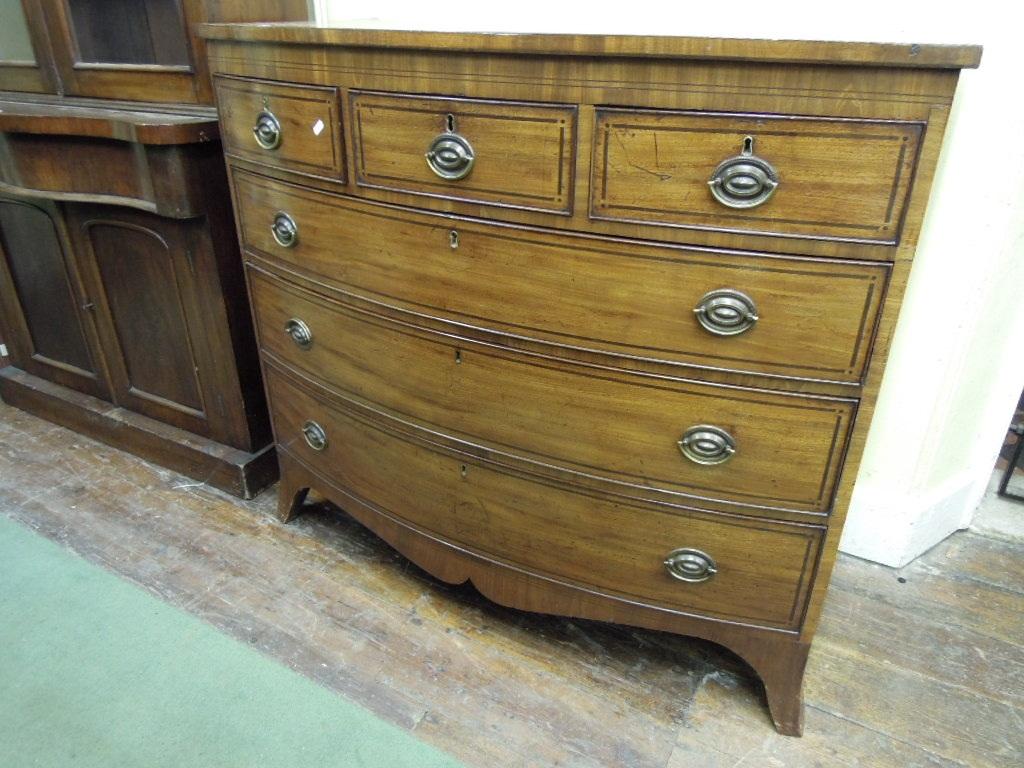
(96,672)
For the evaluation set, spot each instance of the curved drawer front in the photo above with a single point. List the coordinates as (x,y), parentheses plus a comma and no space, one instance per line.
(499,152)
(787,176)
(814,319)
(761,570)
(625,428)
(294,127)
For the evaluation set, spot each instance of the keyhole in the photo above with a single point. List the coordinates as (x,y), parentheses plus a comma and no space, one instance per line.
(453,239)
(463,470)
(748,145)
(449,122)
(458,356)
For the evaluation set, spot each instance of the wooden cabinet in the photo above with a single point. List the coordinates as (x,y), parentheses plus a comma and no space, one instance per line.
(122,297)
(129,307)
(49,329)
(138,50)
(596,323)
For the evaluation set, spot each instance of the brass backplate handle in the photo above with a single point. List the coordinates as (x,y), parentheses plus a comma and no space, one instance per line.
(726,312)
(707,444)
(690,565)
(744,181)
(315,436)
(267,130)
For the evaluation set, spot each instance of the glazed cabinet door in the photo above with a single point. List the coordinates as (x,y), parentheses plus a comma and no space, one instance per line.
(159,335)
(124,49)
(25,59)
(45,311)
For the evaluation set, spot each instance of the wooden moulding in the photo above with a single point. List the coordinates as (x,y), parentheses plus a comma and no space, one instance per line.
(123,153)
(639,46)
(778,658)
(235,471)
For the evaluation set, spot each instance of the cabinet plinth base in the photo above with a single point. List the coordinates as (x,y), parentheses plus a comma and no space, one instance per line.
(778,658)
(237,472)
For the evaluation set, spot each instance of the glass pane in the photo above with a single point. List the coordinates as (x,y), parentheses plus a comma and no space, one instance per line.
(15,43)
(129,31)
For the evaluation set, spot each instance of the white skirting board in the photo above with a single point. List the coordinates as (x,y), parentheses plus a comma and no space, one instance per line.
(892,529)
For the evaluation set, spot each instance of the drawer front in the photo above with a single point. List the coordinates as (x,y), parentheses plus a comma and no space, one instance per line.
(620,427)
(762,569)
(815,319)
(787,176)
(298,126)
(504,153)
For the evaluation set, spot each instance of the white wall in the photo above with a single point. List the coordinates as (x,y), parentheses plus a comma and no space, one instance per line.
(957,362)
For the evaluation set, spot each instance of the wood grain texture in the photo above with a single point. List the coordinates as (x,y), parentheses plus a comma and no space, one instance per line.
(757,88)
(840,179)
(549,531)
(414,316)
(636,46)
(624,298)
(309,118)
(622,429)
(523,153)
(47,334)
(138,122)
(495,686)
(241,473)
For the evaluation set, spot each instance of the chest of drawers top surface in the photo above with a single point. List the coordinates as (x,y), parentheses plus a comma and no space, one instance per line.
(595,322)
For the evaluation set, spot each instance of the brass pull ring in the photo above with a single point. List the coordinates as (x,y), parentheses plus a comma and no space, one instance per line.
(267,130)
(450,155)
(299,332)
(690,565)
(315,436)
(285,230)
(726,312)
(744,181)
(707,444)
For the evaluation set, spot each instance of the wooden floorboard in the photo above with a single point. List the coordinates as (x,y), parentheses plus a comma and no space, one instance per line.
(927,671)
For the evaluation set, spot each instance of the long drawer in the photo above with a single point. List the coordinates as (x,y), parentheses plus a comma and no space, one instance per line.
(793,317)
(759,450)
(737,570)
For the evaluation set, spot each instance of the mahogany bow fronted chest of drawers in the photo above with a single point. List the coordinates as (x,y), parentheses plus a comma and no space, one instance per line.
(593,322)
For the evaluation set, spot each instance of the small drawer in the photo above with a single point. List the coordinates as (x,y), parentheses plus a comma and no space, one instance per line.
(791,317)
(497,152)
(295,127)
(837,179)
(743,449)
(728,568)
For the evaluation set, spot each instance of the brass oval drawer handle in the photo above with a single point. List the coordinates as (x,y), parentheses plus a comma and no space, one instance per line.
(690,565)
(726,312)
(450,155)
(267,130)
(300,333)
(744,181)
(315,436)
(707,444)
(285,230)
